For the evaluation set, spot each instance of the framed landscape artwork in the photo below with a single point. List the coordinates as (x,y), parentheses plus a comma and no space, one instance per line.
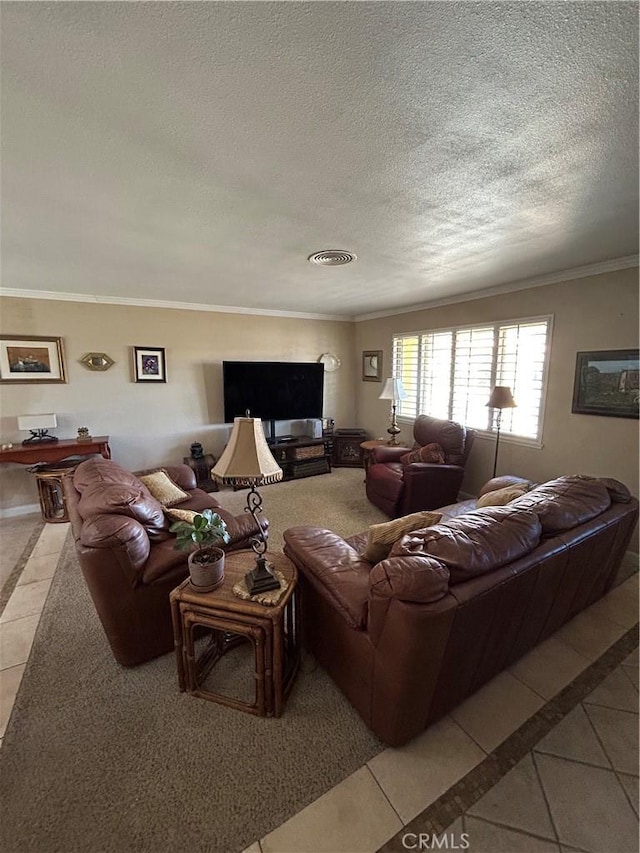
(149,364)
(606,383)
(31,359)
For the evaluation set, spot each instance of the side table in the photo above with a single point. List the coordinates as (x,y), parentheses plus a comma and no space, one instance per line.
(225,621)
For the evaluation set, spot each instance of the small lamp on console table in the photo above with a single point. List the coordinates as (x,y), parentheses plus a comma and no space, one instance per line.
(500,399)
(393,390)
(247,461)
(38,426)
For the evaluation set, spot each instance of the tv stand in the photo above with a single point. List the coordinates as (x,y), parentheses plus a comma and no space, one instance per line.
(301,457)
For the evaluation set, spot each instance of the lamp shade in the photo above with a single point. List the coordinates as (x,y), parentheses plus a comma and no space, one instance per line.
(393,390)
(26,422)
(501,398)
(247,457)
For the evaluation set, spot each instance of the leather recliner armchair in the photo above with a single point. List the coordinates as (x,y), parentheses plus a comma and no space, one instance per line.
(127,555)
(399,488)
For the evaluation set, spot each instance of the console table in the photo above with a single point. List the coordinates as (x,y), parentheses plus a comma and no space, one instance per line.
(55,451)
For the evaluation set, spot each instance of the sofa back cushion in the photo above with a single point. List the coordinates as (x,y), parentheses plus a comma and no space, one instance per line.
(565,502)
(107,488)
(448,434)
(125,500)
(476,542)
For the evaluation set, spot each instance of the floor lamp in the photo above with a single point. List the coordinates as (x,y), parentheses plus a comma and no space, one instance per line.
(500,399)
(393,390)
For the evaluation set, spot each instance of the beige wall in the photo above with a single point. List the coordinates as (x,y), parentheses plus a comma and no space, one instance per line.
(151,424)
(599,312)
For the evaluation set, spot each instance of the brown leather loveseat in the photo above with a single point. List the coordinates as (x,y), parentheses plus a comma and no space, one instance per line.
(127,554)
(408,638)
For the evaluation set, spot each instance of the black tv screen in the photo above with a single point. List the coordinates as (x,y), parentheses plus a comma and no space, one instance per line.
(272,390)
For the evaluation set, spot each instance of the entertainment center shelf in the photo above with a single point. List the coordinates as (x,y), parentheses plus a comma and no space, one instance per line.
(302,457)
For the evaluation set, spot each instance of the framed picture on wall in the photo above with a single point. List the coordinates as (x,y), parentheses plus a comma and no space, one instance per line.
(372,365)
(606,383)
(31,359)
(149,364)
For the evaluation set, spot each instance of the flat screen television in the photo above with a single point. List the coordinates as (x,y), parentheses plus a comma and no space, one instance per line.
(273,390)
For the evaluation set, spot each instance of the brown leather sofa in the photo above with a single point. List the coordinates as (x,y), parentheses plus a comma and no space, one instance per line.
(410,637)
(127,554)
(399,488)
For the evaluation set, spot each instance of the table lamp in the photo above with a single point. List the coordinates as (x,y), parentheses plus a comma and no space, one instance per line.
(393,390)
(247,461)
(38,426)
(500,399)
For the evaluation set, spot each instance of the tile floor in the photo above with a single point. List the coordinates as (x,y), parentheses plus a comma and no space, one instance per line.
(576,789)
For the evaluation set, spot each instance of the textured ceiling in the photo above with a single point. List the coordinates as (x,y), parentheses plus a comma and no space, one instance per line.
(199,152)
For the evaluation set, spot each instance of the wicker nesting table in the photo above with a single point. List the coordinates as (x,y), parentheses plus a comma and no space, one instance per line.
(227,621)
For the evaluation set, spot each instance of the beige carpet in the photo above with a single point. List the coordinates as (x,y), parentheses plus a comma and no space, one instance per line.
(100,758)
(335,500)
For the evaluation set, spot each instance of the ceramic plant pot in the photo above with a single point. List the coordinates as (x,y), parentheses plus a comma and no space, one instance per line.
(208,575)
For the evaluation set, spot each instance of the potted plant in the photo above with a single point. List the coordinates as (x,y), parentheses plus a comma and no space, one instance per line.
(202,537)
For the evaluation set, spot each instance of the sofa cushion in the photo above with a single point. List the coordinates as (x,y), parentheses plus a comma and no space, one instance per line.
(128,500)
(448,434)
(504,481)
(500,497)
(105,471)
(382,536)
(429,453)
(476,542)
(565,502)
(176,514)
(416,578)
(163,488)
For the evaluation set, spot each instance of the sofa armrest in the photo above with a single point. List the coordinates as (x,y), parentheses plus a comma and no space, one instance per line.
(124,536)
(384,453)
(182,476)
(334,567)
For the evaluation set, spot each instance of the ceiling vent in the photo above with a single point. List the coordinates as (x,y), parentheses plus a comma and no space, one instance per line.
(332,258)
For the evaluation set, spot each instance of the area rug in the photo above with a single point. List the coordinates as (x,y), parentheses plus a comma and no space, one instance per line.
(101,758)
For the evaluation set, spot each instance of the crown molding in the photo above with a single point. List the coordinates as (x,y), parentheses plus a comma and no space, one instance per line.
(525,284)
(541,281)
(159,303)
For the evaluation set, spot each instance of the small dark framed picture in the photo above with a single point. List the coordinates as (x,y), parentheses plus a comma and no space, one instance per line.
(372,365)
(606,383)
(149,364)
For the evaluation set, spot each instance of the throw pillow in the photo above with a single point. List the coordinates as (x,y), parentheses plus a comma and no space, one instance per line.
(501,497)
(428,453)
(181,514)
(163,488)
(382,536)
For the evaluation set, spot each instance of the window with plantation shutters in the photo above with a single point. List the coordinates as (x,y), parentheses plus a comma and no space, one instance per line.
(449,373)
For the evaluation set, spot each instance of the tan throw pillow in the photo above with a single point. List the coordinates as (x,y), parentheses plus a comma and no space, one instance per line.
(382,536)
(163,488)
(501,497)
(181,514)
(428,453)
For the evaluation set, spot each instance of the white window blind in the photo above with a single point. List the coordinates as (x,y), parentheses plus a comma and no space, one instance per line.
(450,373)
